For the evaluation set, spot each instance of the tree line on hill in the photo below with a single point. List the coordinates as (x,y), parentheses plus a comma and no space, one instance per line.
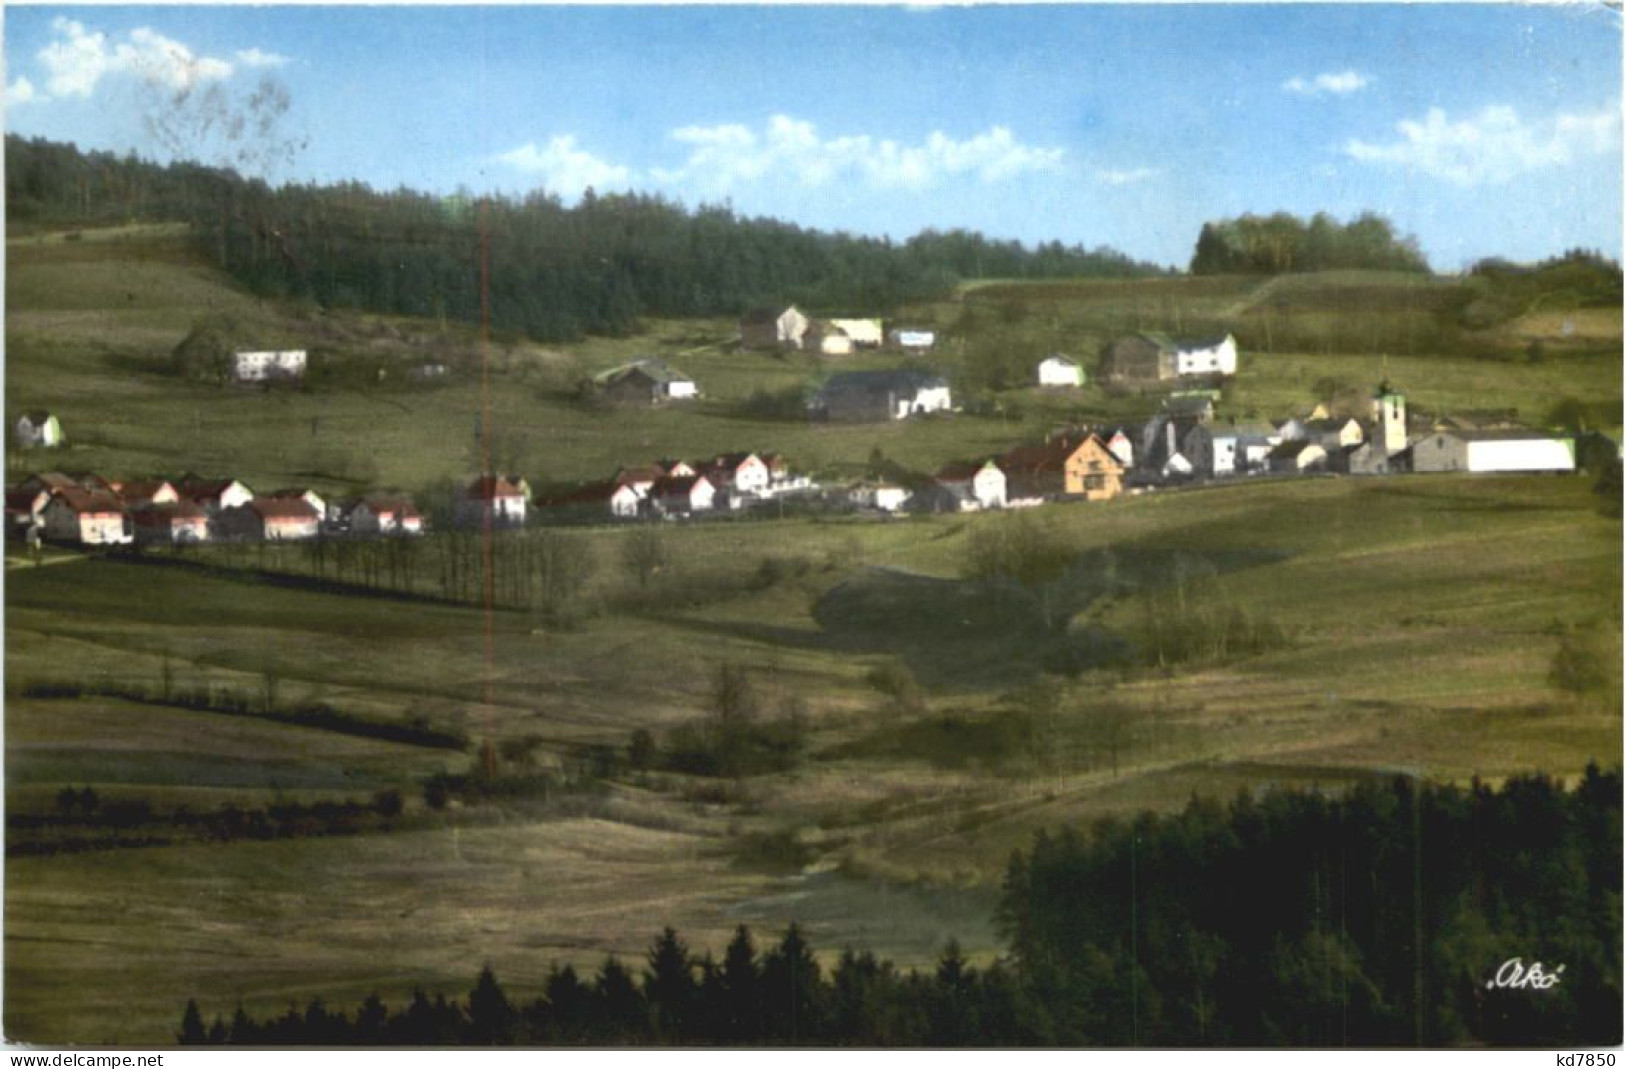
(545,270)
(1388,915)
(1283,243)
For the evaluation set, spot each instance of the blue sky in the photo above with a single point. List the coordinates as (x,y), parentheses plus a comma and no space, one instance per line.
(1482,129)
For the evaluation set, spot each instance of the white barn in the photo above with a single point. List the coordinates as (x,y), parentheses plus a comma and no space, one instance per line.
(1492,451)
(1059,370)
(865,333)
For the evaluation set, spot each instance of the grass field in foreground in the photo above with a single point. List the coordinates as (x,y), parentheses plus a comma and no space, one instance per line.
(1424,612)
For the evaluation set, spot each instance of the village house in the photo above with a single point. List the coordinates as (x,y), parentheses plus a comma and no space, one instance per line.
(865,333)
(38,429)
(88,517)
(740,474)
(216,495)
(775,327)
(1239,448)
(1297,456)
(1092,471)
(1056,370)
(614,499)
(308,496)
(1152,357)
(882,496)
(138,493)
(827,339)
(268,366)
(381,514)
(1334,434)
(646,381)
(170,523)
(984,483)
(639,479)
(493,496)
(676,495)
(1521,450)
(265,520)
(1121,444)
(859,396)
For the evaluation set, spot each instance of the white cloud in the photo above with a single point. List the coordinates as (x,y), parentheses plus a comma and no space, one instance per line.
(22,91)
(77,59)
(1126,178)
(1494,145)
(1339,83)
(565,168)
(253,57)
(725,156)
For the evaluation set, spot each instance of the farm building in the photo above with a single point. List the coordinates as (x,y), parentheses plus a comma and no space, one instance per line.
(1492,451)
(984,484)
(295,493)
(1150,357)
(494,496)
(858,396)
(1059,370)
(88,517)
(170,523)
(865,333)
(385,514)
(645,382)
(268,365)
(265,520)
(775,327)
(38,430)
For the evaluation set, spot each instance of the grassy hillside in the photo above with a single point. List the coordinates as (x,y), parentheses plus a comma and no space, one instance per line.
(1413,623)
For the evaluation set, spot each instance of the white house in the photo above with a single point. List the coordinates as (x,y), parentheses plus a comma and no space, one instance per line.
(1121,446)
(619,499)
(491,494)
(740,473)
(1058,370)
(171,523)
(827,338)
(89,517)
(773,327)
(38,430)
(267,520)
(385,514)
(1207,356)
(216,495)
(1296,456)
(1492,451)
(865,333)
(886,497)
(985,483)
(267,365)
(681,494)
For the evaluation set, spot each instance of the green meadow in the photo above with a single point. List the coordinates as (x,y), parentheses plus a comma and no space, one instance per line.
(1411,625)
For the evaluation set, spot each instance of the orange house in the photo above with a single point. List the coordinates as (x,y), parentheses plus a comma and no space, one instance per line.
(1093,472)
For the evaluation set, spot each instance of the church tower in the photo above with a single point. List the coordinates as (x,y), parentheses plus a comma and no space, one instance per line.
(1389,413)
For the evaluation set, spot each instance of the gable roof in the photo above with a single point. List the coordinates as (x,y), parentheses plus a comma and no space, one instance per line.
(1169,344)
(765,314)
(284,508)
(169,511)
(382,501)
(92,501)
(676,485)
(490,487)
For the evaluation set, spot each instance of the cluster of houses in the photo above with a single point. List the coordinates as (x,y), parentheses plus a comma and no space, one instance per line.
(782,327)
(1184,442)
(85,509)
(676,488)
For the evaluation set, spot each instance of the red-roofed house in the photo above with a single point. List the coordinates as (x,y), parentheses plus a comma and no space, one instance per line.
(139,493)
(91,517)
(385,514)
(983,483)
(171,523)
(265,520)
(743,473)
(683,494)
(617,499)
(493,495)
(216,495)
(25,508)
